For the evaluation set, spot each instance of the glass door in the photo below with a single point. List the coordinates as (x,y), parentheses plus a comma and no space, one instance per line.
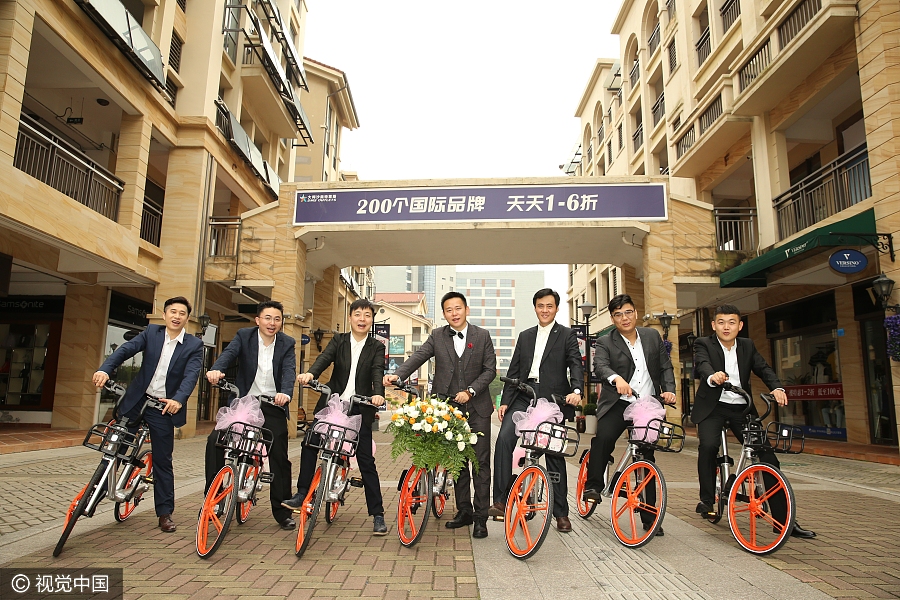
(879,389)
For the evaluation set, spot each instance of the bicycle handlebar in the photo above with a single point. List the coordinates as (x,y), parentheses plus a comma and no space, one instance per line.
(767,398)
(230,387)
(319,387)
(365,401)
(406,386)
(524,387)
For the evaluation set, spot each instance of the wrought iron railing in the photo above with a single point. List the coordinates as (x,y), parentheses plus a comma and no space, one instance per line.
(635,74)
(685,142)
(653,40)
(637,138)
(48,158)
(838,185)
(601,134)
(754,67)
(730,11)
(659,109)
(736,229)
(590,153)
(224,236)
(797,20)
(704,47)
(151,223)
(711,114)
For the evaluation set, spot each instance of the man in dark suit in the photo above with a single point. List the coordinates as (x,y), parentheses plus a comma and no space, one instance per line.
(266,367)
(465,365)
(632,363)
(170,368)
(723,357)
(547,357)
(358,360)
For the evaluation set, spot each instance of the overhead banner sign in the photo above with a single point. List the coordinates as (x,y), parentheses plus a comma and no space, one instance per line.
(644,202)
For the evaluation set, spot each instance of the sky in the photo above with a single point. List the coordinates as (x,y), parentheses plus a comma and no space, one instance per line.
(462,89)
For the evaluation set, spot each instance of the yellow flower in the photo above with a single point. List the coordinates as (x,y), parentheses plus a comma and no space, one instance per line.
(447,417)
(395,416)
(412,421)
(429,419)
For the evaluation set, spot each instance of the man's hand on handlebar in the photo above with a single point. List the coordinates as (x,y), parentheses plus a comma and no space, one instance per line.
(389,380)
(719,377)
(305,378)
(622,387)
(214,377)
(780,397)
(377,400)
(281,399)
(668,398)
(573,399)
(501,411)
(100,378)
(171,407)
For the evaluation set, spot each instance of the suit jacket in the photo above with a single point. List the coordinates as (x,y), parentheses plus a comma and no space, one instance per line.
(709,358)
(245,349)
(614,358)
(184,368)
(476,368)
(560,372)
(369,370)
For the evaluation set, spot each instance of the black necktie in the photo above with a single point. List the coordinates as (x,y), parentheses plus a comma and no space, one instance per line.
(454,333)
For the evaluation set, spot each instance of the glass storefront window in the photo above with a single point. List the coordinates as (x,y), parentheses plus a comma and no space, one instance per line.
(809,368)
(115,337)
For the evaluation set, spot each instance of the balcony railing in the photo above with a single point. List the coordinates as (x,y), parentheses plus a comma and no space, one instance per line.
(601,134)
(730,11)
(590,153)
(838,185)
(736,229)
(151,223)
(224,236)
(755,66)
(637,138)
(797,20)
(635,74)
(685,142)
(711,114)
(659,109)
(670,9)
(62,166)
(653,41)
(704,47)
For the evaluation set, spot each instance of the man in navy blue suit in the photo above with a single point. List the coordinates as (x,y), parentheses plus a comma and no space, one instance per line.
(266,366)
(171,366)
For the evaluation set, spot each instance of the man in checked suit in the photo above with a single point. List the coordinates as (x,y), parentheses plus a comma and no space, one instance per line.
(547,357)
(723,357)
(465,365)
(170,368)
(632,363)
(266,366)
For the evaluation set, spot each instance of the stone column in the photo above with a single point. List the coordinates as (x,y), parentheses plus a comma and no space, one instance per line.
(853,377)
(80,354)
(131,167)
(16,25)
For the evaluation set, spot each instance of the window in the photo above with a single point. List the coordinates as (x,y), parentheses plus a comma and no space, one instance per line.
(489,322)
(175,52)
(507,322)
(471,292)
(328,128)
(505,312)
(507,302)
(172,90)
(507,283)
(505,293)
(474,312)
(504,352)
(182,4)
(490,303)
(507,342)
(609,152)
(621,138)
(673,59)
(490,283)
(417,334)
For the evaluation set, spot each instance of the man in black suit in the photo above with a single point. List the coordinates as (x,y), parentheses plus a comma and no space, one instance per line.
(170,369)
(465,364)
(266,366)
(358,360)
(726,357)
(632,363)
(548,359)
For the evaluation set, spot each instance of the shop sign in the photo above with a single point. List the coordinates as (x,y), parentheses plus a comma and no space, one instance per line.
(382,333)
(397,344)
(125,309)
(581,335)
(32,305)
(819,391)
(304,339)
(848,261)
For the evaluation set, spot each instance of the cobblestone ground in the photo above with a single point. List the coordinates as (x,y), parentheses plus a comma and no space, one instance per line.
(853,506)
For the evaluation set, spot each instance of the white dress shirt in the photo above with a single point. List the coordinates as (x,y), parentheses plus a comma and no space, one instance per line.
(641,383)
(540,344)
(264,382)
(355,350)
(734,375)
(157,387)
(459,344)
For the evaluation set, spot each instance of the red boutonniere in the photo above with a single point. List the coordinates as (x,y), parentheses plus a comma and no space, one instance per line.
(470,345)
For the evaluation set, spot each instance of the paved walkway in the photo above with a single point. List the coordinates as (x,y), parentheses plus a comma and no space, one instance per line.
(852,506)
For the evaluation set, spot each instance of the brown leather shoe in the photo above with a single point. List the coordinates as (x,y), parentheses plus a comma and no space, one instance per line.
(498,511)
(167,524)
(563,525)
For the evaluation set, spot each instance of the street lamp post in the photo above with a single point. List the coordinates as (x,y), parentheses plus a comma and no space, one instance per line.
(587,309)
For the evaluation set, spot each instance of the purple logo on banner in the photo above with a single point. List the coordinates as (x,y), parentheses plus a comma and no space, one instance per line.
(646,202)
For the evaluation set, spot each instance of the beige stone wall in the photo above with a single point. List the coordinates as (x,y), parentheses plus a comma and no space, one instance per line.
(853,377)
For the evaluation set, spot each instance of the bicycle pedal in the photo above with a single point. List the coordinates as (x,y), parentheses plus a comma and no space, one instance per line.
(356,482)
(149,479)
(266,477)
(499,519)
(553,477)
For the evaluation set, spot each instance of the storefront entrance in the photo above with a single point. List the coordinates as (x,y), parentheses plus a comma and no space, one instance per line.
(879,390)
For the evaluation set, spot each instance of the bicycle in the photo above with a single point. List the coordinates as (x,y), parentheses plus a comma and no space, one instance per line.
(232,492)
(125,471)
(335,444)
(529,505)
(746,494)
(419,488)
(637,485)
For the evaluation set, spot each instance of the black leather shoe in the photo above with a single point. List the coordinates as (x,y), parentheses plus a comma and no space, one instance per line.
(288,524)
(703,508)
(659,532)
(480,529)
(460,520)
(799,532)
(591,495)
(295,501)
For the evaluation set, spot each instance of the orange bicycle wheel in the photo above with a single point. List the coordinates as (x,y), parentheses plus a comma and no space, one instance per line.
(331,508)
(123,510)
(309,510)
(585,508)
(250,479)
(414,505)
(76,508)
(528,511)
(439,501)
(750,514)
(216,513)
(638,504)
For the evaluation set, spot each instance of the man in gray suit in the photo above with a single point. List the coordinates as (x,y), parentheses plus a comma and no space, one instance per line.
(547,358)
(632,363)
(465,365)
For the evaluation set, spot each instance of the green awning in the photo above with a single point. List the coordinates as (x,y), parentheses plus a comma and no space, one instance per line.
(605,331)
(753,273)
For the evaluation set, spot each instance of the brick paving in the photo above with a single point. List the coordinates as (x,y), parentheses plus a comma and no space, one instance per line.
(851,505)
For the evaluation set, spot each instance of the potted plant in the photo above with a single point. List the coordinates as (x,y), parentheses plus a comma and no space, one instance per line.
(590,418)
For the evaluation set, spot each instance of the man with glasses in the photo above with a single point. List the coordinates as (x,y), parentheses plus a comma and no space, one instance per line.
(632,363)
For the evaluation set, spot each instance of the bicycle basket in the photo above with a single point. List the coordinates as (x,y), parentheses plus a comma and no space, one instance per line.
(551,438)
(660,434)
(754,434)
(246,439)
(785,438)
(111,439)
(329,437)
